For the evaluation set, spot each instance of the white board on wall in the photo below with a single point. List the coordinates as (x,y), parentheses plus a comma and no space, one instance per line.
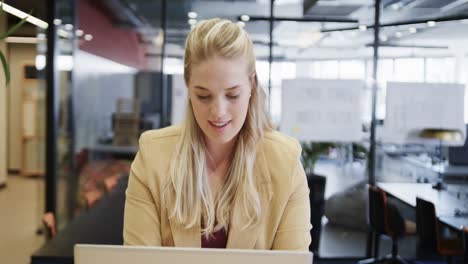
(179,99)
(412,107)
(322,110)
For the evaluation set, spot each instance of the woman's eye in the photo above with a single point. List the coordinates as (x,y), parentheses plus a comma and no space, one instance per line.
(203,97)
(233,96)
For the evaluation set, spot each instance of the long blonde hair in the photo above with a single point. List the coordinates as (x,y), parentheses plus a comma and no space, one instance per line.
(188,171)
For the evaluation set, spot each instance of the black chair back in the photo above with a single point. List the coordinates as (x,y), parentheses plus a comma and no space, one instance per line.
(426,226)
(377,210)
(316,185)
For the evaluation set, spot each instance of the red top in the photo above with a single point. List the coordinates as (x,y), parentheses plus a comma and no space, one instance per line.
(217,240)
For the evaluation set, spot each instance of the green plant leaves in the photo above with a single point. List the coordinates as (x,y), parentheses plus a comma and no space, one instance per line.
(14,28)
(6,69)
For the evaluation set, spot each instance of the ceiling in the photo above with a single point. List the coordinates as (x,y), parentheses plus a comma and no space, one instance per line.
(292,40)
(298,39)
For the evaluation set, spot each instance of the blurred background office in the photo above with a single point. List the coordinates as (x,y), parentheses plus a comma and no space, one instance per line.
(374,90)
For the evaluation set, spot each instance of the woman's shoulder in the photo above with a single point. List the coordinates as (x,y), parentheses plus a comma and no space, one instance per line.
(160,140)
(275,140)
(163,133)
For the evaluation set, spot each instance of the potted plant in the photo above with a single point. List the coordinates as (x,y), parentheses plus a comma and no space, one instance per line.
(3,36)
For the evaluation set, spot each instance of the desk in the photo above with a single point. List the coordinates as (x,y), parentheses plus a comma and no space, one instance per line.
(444,202)
(104,151)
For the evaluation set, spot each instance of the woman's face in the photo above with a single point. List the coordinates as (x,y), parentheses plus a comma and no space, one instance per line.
(219,91)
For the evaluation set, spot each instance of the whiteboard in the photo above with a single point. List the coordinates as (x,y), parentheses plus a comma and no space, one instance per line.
(322,110)
(412,107)
(179,99)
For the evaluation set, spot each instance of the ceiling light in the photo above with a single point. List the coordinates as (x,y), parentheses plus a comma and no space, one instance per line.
(192,15)
(62,33)
(57,22)
(245,18)
(398,34)
(69,27)
(412,30)
(192,21)
(241,23)
(18,13)
(363,27)
(22,40)
(88,37)
(383,38)
(79,33)
(396,6)
(159,39)
(431,23)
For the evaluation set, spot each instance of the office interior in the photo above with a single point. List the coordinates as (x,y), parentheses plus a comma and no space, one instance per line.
(89,76)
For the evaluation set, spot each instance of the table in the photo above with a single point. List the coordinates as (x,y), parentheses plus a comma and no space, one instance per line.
(444,202)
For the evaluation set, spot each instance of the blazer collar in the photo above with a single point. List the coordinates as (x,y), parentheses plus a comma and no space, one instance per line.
(238,237)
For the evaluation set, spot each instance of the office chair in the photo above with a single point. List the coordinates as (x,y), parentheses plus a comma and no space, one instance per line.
(384,219)
(316,184)
(429,239)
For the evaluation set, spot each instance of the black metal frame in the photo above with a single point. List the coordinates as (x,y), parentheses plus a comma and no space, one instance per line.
(164,91)
(51,111)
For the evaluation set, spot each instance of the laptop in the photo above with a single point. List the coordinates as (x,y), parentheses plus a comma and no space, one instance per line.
(101,254)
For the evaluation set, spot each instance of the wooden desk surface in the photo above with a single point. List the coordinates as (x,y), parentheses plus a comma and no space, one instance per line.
(445,203)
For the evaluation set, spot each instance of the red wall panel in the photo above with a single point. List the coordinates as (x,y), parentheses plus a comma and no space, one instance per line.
(116,44)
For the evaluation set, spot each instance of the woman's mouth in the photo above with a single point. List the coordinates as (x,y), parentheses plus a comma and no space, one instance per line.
(219,125)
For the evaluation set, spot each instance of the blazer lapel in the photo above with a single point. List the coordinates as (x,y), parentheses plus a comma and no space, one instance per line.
(238,237)
(184,237)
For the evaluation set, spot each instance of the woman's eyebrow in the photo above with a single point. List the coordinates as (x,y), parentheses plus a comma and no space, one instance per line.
(205,89)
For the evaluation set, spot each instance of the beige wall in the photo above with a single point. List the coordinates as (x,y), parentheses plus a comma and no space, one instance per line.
(3,113)
(19,55)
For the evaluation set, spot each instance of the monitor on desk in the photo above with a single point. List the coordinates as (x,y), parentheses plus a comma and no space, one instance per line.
(459,155)
(93,254)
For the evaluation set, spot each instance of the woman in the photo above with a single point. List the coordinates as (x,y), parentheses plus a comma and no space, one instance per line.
(225,178)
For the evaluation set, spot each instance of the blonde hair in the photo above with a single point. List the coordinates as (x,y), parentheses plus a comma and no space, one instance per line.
(188,171)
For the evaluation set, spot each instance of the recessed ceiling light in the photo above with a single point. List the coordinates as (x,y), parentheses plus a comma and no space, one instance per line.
(57,22)
(431,23)
(88,37)
(363,27)
(383,38)
(398,34)
(69,27)
(241,23)
(412,30)
(79,32)
(192,15)
(192,21)
(245,18)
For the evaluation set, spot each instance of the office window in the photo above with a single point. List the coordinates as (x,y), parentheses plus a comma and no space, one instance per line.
(173,66)
(441,70)
(280,71)
(352,69)
(325,69)
(409,70)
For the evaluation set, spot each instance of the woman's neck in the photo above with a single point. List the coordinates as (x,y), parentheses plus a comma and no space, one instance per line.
(218,154)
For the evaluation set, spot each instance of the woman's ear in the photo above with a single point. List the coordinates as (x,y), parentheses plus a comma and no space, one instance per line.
(253,80)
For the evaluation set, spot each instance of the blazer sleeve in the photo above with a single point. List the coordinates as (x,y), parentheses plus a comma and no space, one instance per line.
(293,232)
(141,216)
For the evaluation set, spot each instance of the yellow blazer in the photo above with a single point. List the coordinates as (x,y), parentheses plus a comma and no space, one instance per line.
(285,220)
